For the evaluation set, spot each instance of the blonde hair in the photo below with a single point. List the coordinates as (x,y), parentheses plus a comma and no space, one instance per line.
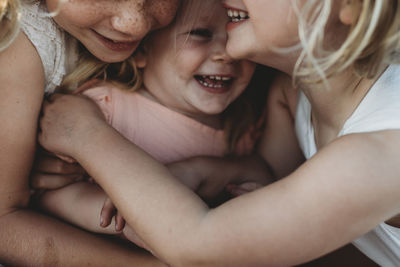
(9,22)
(372,43)
(123,74)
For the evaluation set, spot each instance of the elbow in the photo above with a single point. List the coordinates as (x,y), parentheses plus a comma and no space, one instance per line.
(13,201)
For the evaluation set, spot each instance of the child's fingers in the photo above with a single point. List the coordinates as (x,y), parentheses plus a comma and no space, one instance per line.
(238,190)
(53,181)
(107,212)
(50,163)
(250,186)
(235,190)
(119,222)
(66,158)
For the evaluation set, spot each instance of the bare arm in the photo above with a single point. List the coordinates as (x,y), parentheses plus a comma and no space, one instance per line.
(344,191)
(209,176)
(79,204)
(27,237)
(279,146)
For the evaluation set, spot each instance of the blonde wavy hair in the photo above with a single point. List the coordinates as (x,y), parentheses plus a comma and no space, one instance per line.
(9,22)
(372,43)
(123,74)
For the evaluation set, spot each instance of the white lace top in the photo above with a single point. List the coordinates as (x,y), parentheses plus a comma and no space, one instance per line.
(378,111)
(57,50)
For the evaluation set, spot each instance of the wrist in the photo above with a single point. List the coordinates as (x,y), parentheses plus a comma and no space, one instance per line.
(83,138)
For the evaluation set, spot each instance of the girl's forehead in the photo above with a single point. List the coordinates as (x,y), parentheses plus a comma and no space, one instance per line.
(193,11)
(173,4)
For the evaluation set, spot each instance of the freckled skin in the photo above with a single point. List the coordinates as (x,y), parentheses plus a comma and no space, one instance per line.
(117,20)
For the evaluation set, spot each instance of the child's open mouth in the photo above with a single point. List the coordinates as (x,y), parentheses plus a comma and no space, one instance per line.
(215,82)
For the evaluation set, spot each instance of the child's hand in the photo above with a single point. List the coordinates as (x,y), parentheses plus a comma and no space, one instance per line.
(67,122)
(241,189)
(108,212)
(51,172)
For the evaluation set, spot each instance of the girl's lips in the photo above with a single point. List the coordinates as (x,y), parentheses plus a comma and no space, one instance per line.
(236,16)
(117,46)
(215,84)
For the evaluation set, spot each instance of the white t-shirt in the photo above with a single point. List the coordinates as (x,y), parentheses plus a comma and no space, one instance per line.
(57,50)
(379,110)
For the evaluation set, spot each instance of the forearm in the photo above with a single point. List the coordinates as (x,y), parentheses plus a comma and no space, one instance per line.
(28,238)
(273,218)
(251,168)
(235,169)
(134,172)
(79,204)
(215,173)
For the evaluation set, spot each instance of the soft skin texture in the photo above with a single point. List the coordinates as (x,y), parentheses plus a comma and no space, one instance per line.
(175,58)
(207,237)
(172,60)
(123,22)
(27,237)
(345,190)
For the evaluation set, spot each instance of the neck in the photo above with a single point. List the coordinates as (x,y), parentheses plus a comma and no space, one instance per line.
(331,107)
(211,120)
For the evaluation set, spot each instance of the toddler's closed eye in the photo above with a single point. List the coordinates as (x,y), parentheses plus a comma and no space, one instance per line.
(201,33)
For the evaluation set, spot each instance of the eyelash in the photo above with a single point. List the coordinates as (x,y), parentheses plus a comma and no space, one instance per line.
(204,33)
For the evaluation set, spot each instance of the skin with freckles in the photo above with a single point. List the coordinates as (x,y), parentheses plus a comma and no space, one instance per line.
(112,30)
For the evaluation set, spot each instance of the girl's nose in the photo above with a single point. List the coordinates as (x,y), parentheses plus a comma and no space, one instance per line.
(222,57)
(132,21)
(219,54)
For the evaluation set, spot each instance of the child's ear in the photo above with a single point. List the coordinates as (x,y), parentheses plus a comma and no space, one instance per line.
(141,57)
(349,11)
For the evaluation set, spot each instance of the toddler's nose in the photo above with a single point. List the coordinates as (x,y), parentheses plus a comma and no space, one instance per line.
(219,53)
(222,56)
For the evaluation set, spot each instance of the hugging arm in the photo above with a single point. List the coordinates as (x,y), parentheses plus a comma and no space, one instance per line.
(209,176)
(26,236)
(331,199)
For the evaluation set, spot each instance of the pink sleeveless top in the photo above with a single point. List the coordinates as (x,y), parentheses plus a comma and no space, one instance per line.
(163,133)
